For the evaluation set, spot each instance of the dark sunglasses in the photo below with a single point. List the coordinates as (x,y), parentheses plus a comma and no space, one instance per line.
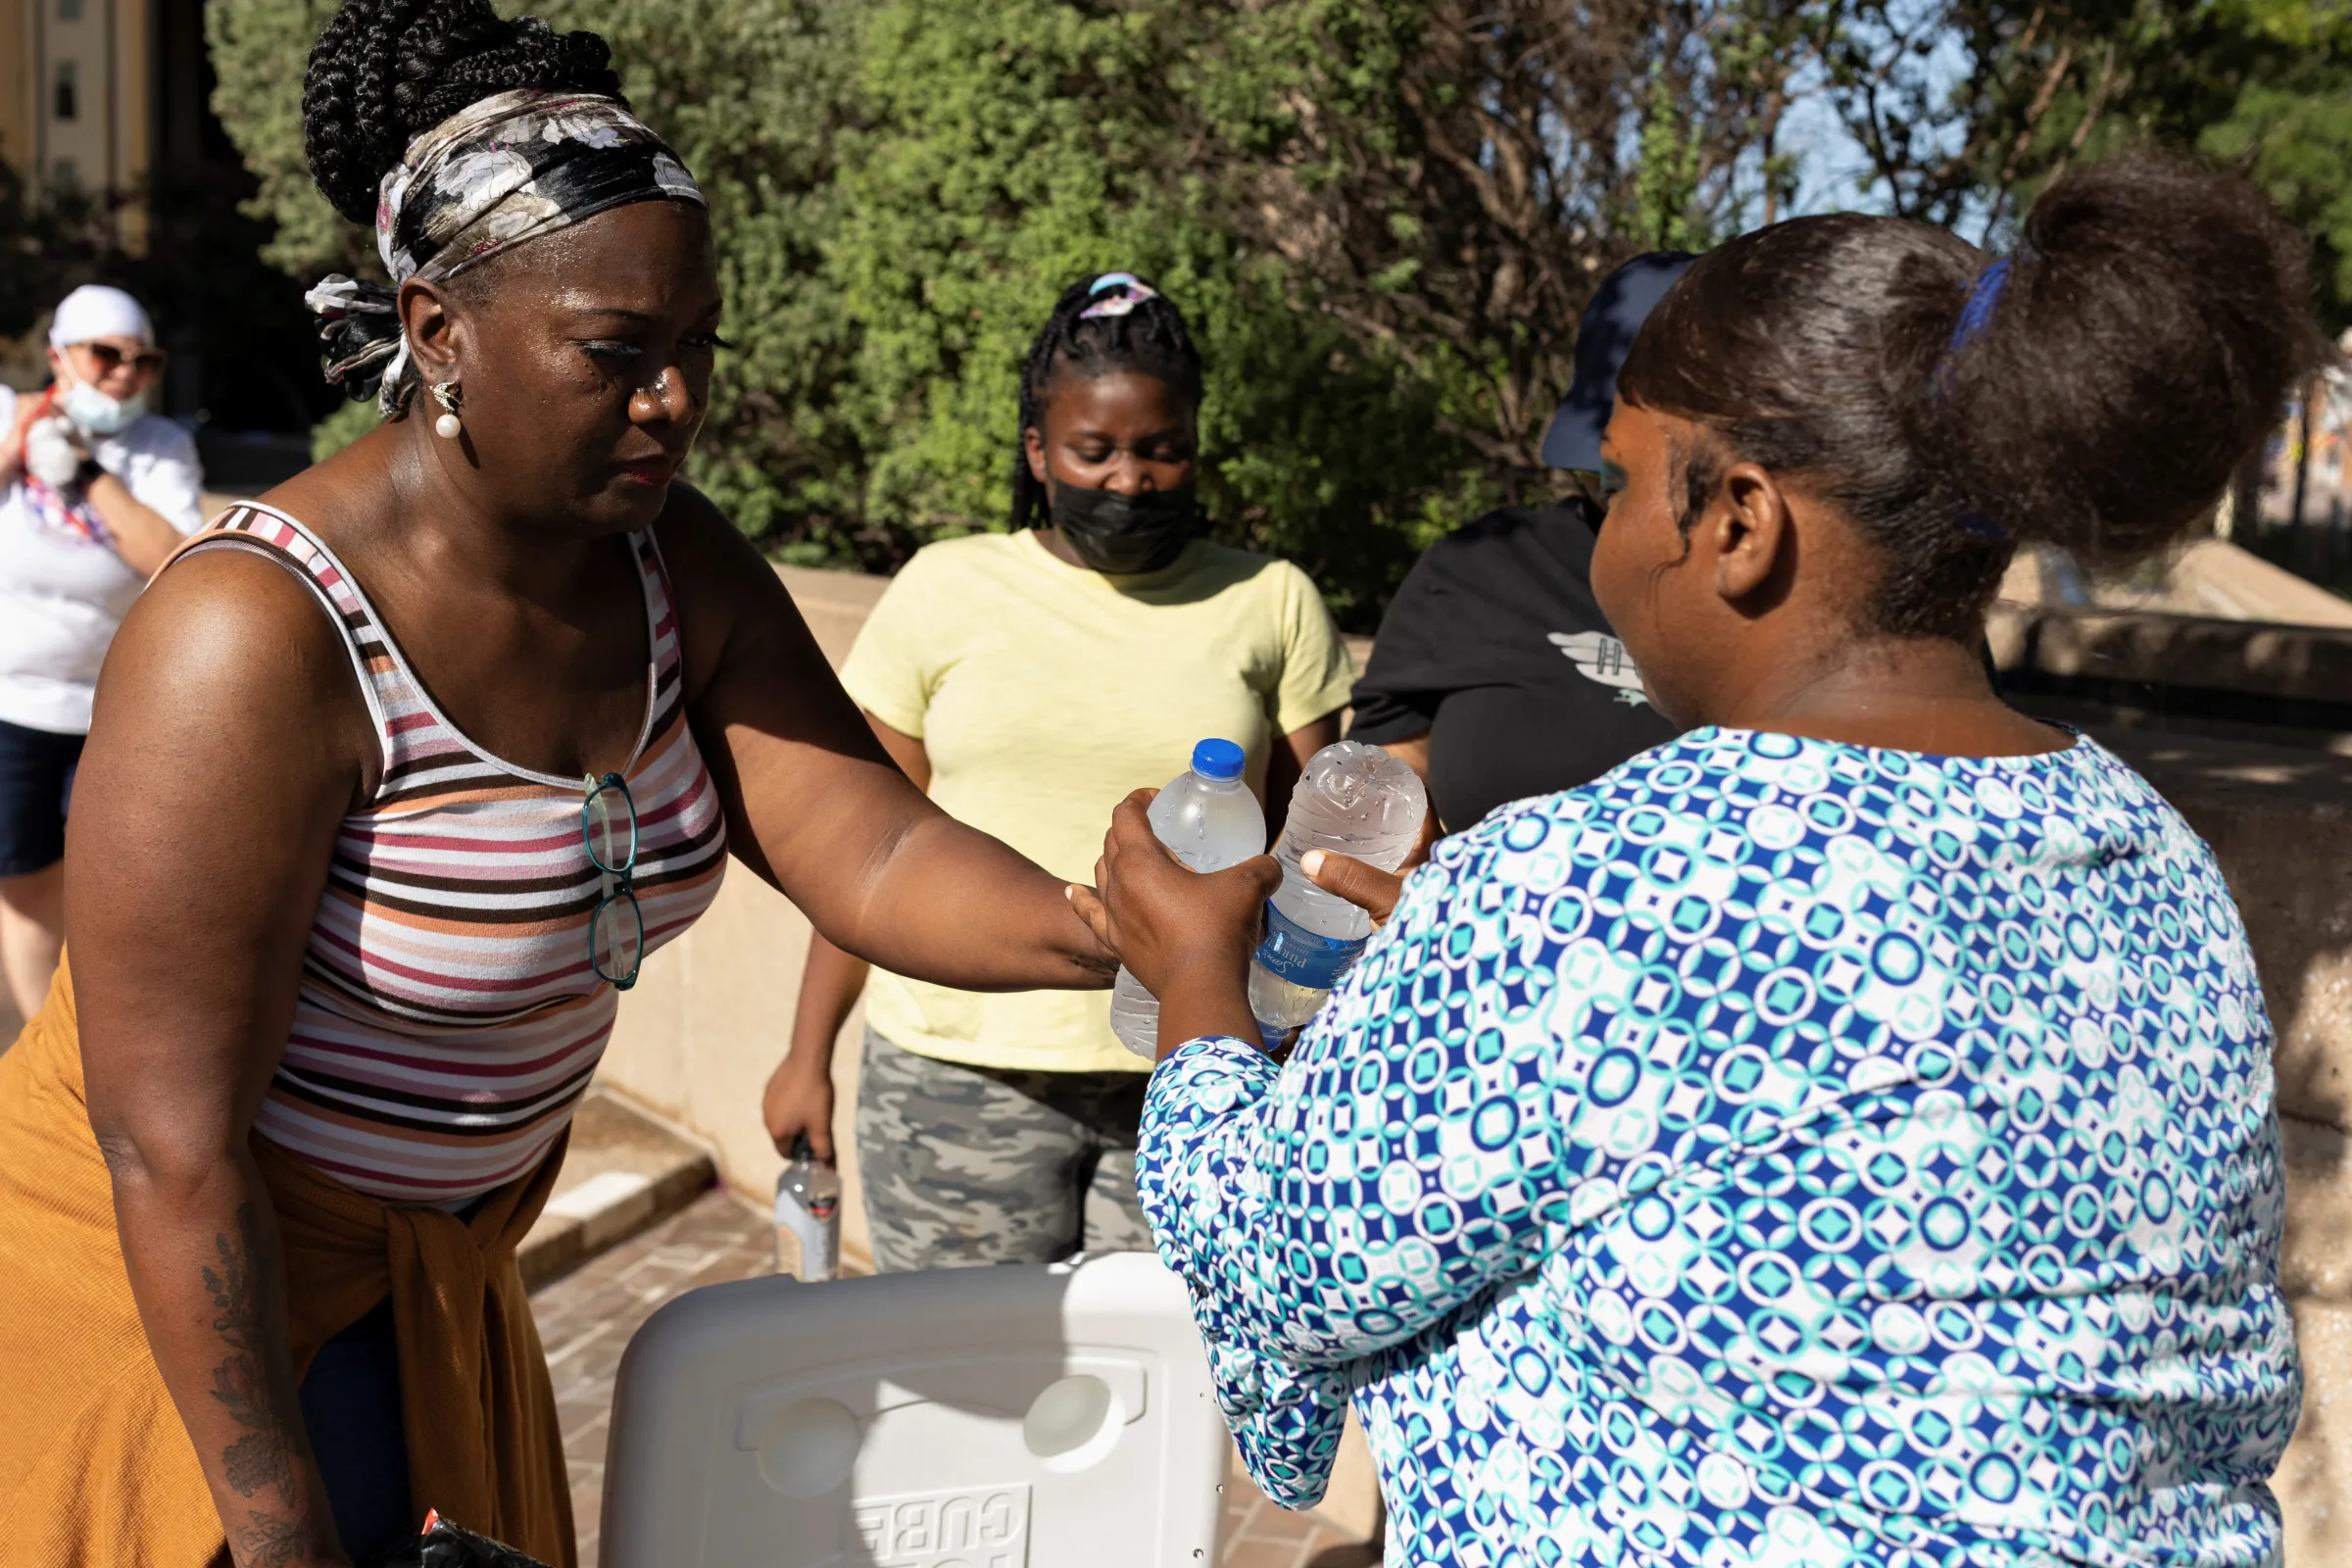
(617,930)
(110,359)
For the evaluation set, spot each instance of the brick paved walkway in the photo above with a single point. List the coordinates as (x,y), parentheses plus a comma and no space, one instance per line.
(586,1319)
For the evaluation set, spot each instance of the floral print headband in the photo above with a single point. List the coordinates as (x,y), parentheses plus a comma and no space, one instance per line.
(509,169)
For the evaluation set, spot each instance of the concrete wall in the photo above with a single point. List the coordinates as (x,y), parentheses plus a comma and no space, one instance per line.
(709,1018)
(699,1033)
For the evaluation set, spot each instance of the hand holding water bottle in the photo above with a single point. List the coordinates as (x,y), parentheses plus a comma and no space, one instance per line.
(1185,935)
(1351,799)
(1367,887)
(1209,820)
(1191,939)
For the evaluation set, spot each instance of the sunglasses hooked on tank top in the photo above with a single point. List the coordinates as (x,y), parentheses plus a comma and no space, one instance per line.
(616,928)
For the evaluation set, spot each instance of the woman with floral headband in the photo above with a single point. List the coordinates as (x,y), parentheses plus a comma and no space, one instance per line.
(394,779)
(1029,680)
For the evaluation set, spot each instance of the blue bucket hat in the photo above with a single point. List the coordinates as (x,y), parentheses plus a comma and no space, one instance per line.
(1604,338)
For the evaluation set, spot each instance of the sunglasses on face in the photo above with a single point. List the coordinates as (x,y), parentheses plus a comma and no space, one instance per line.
(110,359)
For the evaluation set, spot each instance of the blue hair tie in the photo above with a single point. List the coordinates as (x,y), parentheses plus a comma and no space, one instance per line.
(1977,314)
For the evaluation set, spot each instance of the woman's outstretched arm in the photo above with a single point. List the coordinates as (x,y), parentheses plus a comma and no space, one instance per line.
(817,808)
(799,1098)
(204,818)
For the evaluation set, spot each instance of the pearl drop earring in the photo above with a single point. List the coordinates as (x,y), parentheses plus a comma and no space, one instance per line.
(447,394)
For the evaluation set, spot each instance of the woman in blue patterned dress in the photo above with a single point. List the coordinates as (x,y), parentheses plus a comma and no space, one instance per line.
(1844,1134)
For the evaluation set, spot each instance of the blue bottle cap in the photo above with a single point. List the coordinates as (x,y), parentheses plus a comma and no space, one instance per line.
(1215,759)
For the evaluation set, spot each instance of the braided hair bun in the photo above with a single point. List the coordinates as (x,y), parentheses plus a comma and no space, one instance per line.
(384,71)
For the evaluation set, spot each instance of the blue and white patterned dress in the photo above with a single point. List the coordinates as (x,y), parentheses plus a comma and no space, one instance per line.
(1775,1151)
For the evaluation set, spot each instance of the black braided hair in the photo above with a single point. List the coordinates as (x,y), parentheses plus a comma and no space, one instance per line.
(382,71)
(1149,339)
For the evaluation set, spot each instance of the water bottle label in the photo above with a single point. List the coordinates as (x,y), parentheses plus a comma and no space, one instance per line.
(813,1257)
(1293,952)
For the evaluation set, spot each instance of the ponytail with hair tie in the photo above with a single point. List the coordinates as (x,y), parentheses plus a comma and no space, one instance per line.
(2096,388)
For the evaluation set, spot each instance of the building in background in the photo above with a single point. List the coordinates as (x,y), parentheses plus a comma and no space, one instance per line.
(95,95)
(128,178)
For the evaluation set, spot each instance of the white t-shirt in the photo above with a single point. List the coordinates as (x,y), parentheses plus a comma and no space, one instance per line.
(62,593)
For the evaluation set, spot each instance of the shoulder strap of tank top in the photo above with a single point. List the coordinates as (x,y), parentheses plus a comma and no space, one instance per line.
(408,724)
(384,681)
(663,634)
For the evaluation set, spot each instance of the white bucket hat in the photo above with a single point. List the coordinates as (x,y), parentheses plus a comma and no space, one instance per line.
(95,311)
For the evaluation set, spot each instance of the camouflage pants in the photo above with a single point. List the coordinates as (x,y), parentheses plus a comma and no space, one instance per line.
(965,1166)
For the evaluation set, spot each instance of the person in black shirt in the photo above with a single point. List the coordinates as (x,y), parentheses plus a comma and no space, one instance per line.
(1495,673)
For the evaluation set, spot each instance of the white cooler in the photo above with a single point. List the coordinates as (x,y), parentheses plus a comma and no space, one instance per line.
(961,1418)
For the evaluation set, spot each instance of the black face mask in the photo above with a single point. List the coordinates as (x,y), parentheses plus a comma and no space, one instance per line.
(1124,534)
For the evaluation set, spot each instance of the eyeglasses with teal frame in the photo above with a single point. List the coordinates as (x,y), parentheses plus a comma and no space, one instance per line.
(617,930)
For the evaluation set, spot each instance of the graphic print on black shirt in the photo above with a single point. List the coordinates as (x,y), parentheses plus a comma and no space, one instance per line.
(1495,650)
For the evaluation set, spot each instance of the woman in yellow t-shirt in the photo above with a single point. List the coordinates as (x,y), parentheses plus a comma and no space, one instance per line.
(1029,680)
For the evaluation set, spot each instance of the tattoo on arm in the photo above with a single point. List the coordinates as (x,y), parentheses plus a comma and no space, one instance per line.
(265,1407)
(270,1541)
(264,1456)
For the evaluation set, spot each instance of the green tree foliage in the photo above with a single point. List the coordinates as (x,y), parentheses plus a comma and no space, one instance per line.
(1016,147)
(2263,83)
(1448,179)
(1383,216)
(754,95)
(2297,139)
(1004,153)
(751,93)
(2290,124)
(257,48)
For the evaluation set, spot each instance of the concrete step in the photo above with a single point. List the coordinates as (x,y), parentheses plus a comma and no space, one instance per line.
(624,1172)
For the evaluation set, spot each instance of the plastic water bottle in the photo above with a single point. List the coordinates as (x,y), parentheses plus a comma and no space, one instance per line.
(807,1216)
(1210,820)
(1353,800)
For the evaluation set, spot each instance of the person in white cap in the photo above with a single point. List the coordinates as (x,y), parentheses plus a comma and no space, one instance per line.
(98,493)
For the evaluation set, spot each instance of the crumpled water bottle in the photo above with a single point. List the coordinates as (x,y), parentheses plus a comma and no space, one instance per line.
(1353,800)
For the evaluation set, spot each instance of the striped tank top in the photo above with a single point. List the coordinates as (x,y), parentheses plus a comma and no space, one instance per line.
(448,1018)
